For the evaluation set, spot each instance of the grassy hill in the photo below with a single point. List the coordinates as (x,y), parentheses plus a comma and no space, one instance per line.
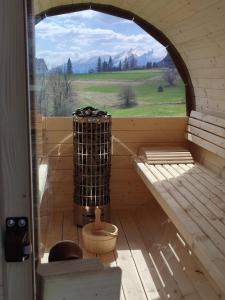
(122,75)
(153,95)
(103,91)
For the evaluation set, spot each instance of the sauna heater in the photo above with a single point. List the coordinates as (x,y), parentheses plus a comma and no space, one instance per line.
(92,163)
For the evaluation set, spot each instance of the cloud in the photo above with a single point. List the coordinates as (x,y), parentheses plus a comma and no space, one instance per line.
(54,31)
(54,58)
(91,15)
(125,21)
(88,33)
(76,17)
(87,14)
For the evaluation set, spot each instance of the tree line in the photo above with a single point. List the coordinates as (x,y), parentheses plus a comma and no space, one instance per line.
(55,94)
(129,63)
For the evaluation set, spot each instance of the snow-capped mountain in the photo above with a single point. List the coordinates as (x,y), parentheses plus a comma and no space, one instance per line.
(141,55)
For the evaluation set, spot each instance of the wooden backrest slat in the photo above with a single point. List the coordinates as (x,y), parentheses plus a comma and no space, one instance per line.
(208,119)
(207,127)
(212,138)
(205,144)
(207,131)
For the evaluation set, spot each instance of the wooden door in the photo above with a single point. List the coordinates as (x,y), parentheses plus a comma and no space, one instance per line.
(16,279)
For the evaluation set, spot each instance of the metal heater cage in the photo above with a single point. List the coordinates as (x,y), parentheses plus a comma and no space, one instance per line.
(92,164)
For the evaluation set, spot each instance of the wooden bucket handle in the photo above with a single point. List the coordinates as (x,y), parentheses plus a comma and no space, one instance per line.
(98,223)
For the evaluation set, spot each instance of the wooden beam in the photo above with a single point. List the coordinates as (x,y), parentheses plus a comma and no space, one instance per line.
(15,164)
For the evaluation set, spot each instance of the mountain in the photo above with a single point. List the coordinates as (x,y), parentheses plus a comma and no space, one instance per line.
(86,66)
(167,62)
(142,56)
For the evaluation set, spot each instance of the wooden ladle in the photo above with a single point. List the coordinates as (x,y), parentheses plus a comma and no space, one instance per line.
(99,225)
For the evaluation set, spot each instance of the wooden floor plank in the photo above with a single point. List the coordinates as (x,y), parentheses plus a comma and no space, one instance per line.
(109,260)
(193,269)
(154,237)
(131,282)
(184,276)
(185,285)
(166,236)
(141,257)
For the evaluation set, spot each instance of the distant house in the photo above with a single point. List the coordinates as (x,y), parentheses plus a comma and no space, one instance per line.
(40,66)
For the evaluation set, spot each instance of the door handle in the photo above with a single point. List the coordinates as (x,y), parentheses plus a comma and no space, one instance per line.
(17,244)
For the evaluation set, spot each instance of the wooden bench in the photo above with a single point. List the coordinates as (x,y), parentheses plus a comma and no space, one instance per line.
(193,197)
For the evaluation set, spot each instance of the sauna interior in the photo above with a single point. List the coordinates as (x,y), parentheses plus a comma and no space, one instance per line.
(170,216)
(171,242)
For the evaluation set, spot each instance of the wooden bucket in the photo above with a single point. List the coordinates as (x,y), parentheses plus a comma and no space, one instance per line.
(99,237)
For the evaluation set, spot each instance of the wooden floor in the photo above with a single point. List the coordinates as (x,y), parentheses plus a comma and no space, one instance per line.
(156,263)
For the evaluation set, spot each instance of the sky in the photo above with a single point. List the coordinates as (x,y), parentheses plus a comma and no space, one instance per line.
(86,34)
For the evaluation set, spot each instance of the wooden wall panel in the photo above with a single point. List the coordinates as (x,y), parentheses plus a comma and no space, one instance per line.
(130,134)
(154,135)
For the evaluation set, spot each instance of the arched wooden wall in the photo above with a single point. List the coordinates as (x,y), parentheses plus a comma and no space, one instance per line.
(195,28)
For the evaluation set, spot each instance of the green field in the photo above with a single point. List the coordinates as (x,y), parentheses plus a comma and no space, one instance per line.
(153,111)
(122,75)
(102,91)
(145,92)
